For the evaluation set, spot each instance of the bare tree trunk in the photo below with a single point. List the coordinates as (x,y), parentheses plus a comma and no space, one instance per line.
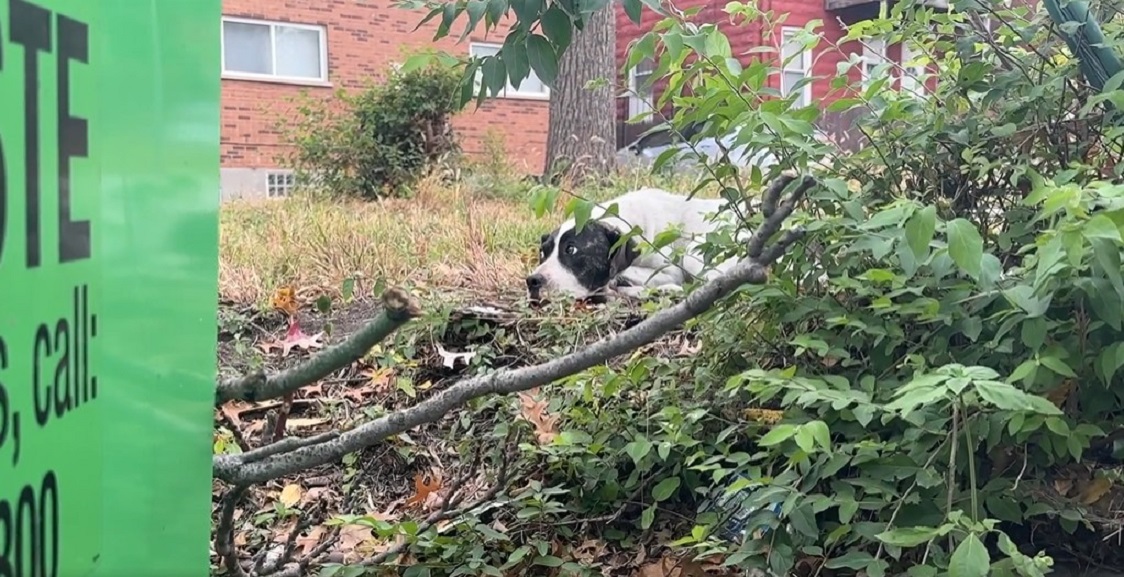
(581,141)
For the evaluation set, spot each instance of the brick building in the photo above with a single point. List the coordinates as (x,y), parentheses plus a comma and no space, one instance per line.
(274,49)
(822,65)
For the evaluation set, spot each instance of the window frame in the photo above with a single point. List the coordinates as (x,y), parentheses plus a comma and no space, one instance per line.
(514,93)
(805,66)
(871,58)
(642,102)
(320,29)
(280,189)
(916,75)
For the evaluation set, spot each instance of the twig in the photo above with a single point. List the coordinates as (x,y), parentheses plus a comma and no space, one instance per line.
(289,444)
(224,535)
(235,430)
(398,309)
(242,469)
(444,512)
(304,521)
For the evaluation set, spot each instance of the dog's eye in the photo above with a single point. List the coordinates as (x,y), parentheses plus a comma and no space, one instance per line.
(571,249)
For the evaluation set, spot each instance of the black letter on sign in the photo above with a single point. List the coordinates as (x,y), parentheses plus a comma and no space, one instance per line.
(74,235)
(30,26)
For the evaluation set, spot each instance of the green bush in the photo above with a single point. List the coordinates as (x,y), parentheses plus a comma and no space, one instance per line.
(911,413)
(378,141)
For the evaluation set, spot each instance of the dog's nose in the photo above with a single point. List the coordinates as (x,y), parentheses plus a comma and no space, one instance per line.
(535,282)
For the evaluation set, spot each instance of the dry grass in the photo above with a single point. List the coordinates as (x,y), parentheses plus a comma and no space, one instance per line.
(446,236)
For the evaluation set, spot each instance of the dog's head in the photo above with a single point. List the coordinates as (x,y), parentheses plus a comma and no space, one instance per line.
(580,264)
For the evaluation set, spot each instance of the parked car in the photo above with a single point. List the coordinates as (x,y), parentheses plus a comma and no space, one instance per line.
(649,146)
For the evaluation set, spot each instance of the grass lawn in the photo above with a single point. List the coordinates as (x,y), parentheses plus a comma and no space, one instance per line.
(450,244)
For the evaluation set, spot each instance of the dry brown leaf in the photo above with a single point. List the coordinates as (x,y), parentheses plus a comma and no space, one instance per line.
(378,381)
(1094,490)
(425,487)
(1060,394)
(1063,485)
(307,543)
(284,300)
(671,567)
(294,337)
(351,538)
(534,411)
(767,416)
(290,495)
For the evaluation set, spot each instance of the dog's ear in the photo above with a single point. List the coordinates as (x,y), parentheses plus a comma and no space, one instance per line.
(545,237)
(622,256)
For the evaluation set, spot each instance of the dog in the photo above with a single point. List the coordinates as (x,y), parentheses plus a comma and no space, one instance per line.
(589,264)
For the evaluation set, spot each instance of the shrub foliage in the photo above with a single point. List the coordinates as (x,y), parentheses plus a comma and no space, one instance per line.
(377,141)
(912,387)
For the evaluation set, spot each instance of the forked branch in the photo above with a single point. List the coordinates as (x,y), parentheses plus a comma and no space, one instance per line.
(398,309)
(265,464)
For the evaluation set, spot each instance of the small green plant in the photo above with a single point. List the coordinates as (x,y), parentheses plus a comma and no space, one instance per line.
(378,141)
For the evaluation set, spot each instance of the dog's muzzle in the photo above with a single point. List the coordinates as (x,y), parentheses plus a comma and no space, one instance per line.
(535,285)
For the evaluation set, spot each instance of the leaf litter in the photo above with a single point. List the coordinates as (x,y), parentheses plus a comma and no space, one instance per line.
(397,488)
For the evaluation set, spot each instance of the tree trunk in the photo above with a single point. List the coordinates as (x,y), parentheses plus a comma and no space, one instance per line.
(581,140)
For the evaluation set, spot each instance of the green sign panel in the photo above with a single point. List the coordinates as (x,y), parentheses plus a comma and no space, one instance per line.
(108,265)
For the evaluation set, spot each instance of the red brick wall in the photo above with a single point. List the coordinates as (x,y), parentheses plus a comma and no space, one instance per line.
(363,37)
(743,37)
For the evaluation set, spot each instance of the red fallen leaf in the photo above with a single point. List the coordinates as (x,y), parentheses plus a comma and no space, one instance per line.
(295,337)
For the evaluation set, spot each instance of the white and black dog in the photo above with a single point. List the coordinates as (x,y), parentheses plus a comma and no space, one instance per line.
(585,264)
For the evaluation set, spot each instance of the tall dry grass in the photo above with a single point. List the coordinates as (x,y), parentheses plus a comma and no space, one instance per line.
(477,235)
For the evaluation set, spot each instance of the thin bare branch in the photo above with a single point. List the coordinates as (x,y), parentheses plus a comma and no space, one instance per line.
(224,534)
(248,468)
(398,309)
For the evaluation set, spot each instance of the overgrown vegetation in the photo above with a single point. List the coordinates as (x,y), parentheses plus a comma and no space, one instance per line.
(929,385)
(378,141)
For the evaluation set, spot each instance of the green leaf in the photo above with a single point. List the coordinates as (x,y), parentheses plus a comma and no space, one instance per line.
(1005,397)
(665,489)
(638,449)
(919,230)
(820,433)
(648,516)
(1034,333)
(1109,361)
(542,58)
(805,440)
(557,26)
(548,561)
(581,209)
(1106,254)
(777,435)
(1057,365)
(908,536)
(632,10)
(1101,226)
(965,246)
(970,559)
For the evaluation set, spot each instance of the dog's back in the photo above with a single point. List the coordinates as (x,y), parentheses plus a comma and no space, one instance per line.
(654,210)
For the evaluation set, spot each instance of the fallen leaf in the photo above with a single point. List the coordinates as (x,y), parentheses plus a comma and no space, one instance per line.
(1094,490)
(294,337)
(671,567)
(351,537)
(767,416)
(290,495)
(424,487)
(1059,394)
(284,300)
(450,359)
(1063,485)
(534,411)
(309,542)
(378,381)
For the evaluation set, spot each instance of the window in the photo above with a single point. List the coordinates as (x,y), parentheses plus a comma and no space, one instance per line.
(260,50)
(641,97)
(529,87)
(795,64)
(874,54)
(279,184)
(914,71)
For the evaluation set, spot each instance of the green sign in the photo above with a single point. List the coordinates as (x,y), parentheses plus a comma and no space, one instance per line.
(109,150)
